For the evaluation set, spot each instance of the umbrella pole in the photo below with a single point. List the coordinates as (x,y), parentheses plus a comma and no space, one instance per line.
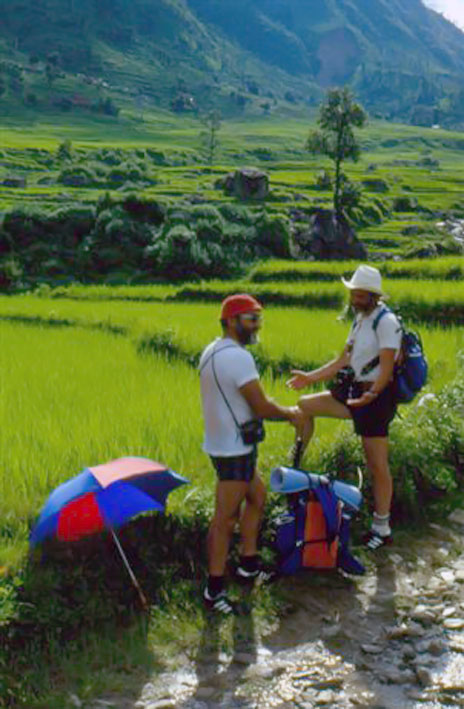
(131,573)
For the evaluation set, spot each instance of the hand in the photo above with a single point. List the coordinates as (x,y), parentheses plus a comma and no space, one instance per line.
(300,379)
(366,398)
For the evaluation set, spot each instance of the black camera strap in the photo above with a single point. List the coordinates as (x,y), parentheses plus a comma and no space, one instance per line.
(219,386)
(211,358)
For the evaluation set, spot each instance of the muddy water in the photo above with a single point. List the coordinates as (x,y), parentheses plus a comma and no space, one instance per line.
(391,639)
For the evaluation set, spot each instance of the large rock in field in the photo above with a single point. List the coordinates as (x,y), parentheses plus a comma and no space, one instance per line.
(247,183)
(329,238)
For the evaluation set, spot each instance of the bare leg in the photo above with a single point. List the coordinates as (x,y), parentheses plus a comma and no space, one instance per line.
(376,451)
(323,405)
(251,517)
(229,496)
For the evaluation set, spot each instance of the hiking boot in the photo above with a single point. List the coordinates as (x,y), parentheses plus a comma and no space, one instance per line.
(260,575)
(372,540)
(220,603)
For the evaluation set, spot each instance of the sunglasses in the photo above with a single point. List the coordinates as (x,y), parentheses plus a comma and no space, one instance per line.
(250,317)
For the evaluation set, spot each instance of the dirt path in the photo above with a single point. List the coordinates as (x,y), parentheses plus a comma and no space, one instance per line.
(392,639)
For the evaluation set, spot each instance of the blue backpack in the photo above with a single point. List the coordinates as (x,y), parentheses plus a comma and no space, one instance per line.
(412,368)
(315,531)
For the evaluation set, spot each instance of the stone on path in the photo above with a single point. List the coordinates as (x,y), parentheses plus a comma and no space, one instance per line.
(457,516)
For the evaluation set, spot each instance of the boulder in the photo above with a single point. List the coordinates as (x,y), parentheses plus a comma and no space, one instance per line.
(329,238)
(247,183)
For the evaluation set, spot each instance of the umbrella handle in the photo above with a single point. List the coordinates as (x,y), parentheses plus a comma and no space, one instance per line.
(129,570)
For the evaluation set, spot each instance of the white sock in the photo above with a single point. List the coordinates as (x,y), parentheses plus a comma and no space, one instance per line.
(381,525)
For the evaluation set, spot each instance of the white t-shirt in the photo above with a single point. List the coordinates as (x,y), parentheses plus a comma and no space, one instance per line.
(234,367)
(366,342)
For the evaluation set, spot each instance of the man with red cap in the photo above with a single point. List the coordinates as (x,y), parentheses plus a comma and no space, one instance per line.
(231,397)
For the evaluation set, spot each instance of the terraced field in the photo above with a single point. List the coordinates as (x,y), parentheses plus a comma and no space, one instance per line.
(422,165)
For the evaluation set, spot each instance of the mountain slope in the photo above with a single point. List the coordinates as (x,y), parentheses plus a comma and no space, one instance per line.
(403,59)
(304,37)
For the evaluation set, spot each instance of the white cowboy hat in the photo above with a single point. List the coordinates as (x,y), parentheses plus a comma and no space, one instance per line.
(365,278)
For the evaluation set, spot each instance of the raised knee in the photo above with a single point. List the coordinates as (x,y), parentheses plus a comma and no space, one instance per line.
(305,404)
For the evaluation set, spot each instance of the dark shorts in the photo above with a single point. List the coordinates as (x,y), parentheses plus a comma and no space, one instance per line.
(373,420)
(238,468)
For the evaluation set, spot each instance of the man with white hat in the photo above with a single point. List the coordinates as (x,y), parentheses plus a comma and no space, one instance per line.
(366,392)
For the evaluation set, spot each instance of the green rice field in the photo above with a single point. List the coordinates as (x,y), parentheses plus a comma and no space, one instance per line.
(89,379)
(423,164)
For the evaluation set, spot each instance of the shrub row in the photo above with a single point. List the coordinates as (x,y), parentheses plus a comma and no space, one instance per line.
(131,236)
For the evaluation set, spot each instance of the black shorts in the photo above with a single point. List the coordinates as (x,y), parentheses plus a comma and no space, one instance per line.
(373,420)
(238,468)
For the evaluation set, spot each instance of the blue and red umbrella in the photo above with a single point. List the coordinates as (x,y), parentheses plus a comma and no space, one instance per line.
(103,497)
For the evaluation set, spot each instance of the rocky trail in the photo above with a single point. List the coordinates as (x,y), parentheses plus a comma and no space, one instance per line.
(392,639)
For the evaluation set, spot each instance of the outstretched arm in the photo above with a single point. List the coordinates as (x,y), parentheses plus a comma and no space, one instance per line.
(265,408)
(301,379)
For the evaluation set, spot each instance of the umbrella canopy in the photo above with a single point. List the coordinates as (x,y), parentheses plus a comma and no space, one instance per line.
(105,496)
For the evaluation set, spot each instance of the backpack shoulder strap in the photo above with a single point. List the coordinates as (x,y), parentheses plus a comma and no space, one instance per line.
(379,317)
(329,503)
(372,364)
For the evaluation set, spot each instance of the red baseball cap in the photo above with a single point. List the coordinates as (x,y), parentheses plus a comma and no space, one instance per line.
(239,303)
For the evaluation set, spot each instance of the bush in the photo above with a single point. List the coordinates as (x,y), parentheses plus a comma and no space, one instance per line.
(378,185)
(78,176)
(237,213)
(405,204)
(178,254)
(206,212)
(350,194)
(323,180)
(11,273)
(64,151)
(24,228)
(273,233)
(117,176)
(145,210)
(109,157)
(427,452)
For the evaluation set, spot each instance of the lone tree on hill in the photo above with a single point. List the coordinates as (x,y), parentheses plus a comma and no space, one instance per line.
(335,138)
(209,137)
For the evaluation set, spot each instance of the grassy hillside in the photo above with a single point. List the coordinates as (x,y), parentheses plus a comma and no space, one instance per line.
(404,60)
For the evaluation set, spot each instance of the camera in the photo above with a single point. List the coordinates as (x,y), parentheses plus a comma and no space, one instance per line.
(342,386)
(252,432)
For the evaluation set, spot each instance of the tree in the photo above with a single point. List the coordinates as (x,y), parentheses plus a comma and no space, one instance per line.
(338,114)
(209,137)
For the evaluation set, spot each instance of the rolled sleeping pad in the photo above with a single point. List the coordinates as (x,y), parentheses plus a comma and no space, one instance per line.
(350,495)
(290,480)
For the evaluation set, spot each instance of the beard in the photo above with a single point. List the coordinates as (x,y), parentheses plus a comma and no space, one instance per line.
(365,307)
(246,337)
